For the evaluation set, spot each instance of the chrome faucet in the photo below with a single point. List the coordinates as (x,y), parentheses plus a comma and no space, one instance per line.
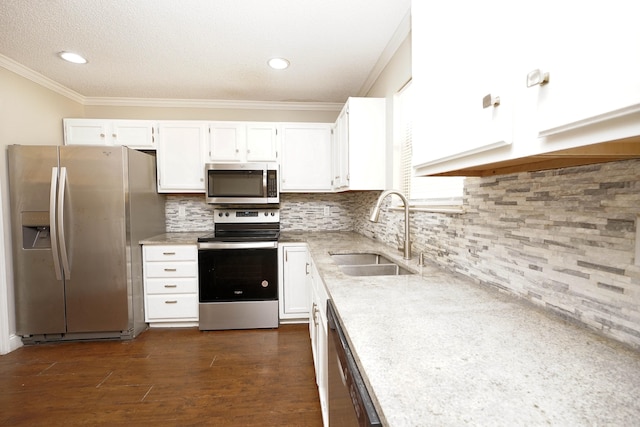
(376,214)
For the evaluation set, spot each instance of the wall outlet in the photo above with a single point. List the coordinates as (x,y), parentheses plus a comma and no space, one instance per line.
(182,211)
(327,211)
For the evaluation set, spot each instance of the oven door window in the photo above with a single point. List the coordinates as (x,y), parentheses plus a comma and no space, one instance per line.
(236,183)
(238,274)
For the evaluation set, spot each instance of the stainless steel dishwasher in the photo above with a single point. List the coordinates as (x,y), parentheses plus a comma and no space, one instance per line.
(349,400)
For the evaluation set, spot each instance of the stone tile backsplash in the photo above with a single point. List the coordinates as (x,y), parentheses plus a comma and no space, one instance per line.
(563,239)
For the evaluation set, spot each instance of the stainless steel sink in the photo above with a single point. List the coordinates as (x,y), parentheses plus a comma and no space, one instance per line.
(360,259)
(375,270)
(368,264)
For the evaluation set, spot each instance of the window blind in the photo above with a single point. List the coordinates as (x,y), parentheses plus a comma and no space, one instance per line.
(420,190)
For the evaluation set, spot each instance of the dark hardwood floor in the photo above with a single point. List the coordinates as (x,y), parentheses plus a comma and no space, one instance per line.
(165,377)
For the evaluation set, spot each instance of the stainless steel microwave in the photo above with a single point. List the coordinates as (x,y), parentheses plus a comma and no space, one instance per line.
(242,183)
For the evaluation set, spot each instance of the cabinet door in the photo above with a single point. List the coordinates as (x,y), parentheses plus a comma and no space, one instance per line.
(180,157)
(262,142)
(366,143)
(593,63)
(139,134)
(305,163)
(463,78)
(340,153)
(318,331)
(294,301)
(226,140)
(86,132)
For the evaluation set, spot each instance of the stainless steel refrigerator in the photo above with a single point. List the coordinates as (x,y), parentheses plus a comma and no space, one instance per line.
(77,215)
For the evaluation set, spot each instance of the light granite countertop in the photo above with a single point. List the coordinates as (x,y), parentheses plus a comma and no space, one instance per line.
(183,238)
(437,349)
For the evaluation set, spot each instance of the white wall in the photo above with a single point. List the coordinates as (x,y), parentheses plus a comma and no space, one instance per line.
(394,76)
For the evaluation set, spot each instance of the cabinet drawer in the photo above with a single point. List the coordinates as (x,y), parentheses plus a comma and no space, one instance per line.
(172,307)
(171,286)
(171,269)
(171,253)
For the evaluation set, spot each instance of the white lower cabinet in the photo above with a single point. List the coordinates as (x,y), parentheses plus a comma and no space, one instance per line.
(171,285)
(318,332)
(293,288)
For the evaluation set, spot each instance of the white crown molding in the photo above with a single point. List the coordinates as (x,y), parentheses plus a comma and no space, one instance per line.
(38,78)
(213,103)
(46,82)
(397,39)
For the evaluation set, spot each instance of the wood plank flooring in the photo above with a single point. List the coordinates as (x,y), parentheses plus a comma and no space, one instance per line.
(165,377)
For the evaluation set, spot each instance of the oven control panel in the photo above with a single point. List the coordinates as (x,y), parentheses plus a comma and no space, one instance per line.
(246,215)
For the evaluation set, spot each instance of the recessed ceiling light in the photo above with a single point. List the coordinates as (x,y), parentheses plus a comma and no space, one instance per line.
(72,57)
(278,63)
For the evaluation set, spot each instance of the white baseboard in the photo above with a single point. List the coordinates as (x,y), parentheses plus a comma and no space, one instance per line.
(15,342)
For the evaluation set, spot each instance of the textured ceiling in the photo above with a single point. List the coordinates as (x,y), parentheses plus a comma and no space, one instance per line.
(203,49)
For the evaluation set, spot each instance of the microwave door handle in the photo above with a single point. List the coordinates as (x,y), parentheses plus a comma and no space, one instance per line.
(53,230)
(265,189)
(66,268)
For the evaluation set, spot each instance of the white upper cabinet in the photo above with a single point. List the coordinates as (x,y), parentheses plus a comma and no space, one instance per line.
(262,142)
(225,139)
(243,141)
(138,134)
(181,156)
(305,162)
(502,87)
(463,79)
(340,152)
(591,52)
(359,156)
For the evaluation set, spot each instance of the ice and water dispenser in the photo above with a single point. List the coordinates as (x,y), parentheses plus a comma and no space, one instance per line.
(36,230)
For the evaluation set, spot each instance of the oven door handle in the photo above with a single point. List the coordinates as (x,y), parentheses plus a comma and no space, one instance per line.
(237,245)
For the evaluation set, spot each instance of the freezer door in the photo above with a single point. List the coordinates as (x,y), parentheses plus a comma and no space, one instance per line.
(39,295)
(93,226)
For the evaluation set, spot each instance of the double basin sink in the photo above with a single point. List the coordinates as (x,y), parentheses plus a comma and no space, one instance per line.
(368,264)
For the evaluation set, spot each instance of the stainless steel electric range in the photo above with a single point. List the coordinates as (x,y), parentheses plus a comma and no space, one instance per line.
(238,270)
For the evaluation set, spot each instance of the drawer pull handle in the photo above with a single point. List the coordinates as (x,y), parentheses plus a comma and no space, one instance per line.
(168,253)
(171,302)
(170,286)
(169,269)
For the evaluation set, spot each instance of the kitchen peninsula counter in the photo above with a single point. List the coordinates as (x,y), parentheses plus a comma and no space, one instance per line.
(435,348)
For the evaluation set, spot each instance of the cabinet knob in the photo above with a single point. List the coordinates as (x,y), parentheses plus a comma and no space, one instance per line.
(537,77)
(490,101)
(102,135)
(115,135)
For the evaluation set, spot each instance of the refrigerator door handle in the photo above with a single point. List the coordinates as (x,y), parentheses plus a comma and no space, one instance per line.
(66,268)
(52,223)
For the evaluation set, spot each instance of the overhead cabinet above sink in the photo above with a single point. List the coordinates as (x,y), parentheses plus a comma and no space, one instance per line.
(504,88)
